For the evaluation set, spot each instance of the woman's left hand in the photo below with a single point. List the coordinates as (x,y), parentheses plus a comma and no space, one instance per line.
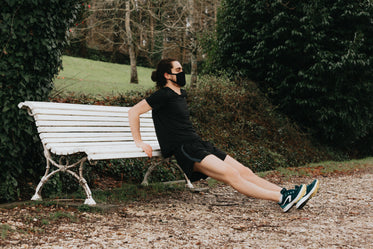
(146,148)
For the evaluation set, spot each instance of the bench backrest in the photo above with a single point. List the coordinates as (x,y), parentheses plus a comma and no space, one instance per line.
(102,132)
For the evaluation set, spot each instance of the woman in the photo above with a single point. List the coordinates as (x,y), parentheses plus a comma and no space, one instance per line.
(198,158)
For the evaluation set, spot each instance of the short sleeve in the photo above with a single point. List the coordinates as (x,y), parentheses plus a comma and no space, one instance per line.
(157,99)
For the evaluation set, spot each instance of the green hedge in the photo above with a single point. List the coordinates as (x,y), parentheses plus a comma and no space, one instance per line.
(236,117)
(312,58)
(33,33)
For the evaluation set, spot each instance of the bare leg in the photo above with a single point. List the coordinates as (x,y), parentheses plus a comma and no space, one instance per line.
(249,175)
(222,171)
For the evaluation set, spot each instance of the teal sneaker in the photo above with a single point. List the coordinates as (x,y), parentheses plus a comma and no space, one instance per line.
(292,196)
(311,191)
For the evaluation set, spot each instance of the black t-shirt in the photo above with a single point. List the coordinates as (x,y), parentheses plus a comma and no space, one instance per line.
(171,119)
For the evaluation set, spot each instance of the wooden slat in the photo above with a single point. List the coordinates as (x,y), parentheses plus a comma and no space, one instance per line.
(79,118)
(102,150)
(85,124)
(71,151)
(68,106)
(115,149)
(51,107)
(41,111)
(92,139)
(89,129)
(98,144)
(64,151)
(95,157)
(92,135)
(86,118)
(81,146)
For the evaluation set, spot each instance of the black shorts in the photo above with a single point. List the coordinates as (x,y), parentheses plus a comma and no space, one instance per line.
(189,153)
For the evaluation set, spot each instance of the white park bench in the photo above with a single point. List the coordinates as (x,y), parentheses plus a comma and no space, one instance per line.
(96,132)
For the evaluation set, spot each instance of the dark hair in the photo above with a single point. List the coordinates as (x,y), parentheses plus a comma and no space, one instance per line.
(164,66)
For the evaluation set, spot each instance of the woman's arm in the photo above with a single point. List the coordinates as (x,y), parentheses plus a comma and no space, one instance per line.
(134,121)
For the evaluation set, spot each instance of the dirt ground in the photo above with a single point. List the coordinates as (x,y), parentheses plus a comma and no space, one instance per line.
(339,216)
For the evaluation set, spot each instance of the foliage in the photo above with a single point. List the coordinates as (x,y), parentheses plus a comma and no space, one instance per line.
(234,116)
(238,118)
(313,58)
(32,36)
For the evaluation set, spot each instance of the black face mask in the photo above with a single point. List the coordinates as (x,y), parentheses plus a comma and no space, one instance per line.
(180,78)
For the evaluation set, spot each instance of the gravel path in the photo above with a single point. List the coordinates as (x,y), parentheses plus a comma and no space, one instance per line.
(339,216)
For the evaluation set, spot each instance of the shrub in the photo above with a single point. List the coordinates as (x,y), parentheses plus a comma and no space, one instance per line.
(238,118)
(235,116)
(313,58)
(32,36)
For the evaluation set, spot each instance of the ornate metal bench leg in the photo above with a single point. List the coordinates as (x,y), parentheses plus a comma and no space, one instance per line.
(64,168)
(152,167)
(37,196)
(188,183)
(44,179)
(89,200)
(147,174)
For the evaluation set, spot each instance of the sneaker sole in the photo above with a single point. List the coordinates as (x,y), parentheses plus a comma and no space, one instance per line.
(303,201)
(299,196)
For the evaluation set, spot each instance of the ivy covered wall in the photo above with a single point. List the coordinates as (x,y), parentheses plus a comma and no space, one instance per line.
(32,36)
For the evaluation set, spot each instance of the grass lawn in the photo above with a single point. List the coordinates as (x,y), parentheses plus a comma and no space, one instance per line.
(83,76)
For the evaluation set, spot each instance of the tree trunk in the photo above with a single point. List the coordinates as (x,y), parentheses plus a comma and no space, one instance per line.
(152,38)
(131,46)
(193,57)
(194,67)
(116,46)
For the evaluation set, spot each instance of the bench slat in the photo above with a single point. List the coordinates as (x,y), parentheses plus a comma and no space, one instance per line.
(68,106)
(92,135)
(89,129)
(116,149)
(64,151)
(67,149)
(94,157)
(107,150)
(86,118)
(98,144)
(84,124)
(44,111)
(92,139)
